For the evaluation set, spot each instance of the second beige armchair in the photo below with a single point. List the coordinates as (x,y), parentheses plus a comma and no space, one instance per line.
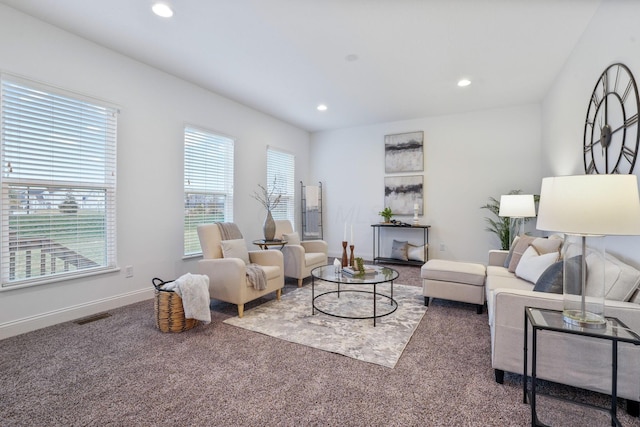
(300,257)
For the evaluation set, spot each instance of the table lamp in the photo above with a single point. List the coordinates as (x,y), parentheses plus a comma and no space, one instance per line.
(586,208)
(517,206)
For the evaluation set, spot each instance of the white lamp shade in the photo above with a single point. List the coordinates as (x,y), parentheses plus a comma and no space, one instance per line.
(517,206)
(590,204)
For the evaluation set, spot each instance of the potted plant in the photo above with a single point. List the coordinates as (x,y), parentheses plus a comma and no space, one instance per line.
(501,226)
(386,214)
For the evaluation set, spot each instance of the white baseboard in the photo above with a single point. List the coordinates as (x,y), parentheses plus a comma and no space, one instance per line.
(32,323)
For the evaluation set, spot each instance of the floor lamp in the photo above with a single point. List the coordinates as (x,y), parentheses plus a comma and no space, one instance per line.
(518,207)
(586,208)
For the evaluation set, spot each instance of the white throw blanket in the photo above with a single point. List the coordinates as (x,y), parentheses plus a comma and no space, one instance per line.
(194,291)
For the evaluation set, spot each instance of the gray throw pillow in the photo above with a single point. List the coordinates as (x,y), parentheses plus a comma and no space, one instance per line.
(551,279)
(399,250)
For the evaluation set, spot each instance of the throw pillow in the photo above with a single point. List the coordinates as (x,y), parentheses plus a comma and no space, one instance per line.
(532,264)
(620,279)
(291,238)
(507,260)
(551,279)
(545,246)
(416,253)
(399,250)
(235,249)
(518,250)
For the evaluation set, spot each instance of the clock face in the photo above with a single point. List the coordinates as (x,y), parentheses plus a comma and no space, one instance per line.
(611,134)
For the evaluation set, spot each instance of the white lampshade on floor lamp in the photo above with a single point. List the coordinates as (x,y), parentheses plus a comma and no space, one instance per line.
(518,207)
(586,208)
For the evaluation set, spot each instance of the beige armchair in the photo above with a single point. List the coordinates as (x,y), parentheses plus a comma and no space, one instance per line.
(228,276)
(300,257)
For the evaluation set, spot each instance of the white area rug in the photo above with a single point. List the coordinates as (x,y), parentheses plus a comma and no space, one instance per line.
(291,319)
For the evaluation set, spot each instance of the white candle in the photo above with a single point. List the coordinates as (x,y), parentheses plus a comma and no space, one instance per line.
(344,235)
(415,206)
(352,234)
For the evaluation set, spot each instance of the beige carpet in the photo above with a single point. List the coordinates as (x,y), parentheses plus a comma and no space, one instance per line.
(291,319)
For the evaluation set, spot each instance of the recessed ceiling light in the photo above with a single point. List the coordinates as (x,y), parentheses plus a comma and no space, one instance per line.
(464,82)
(162,9)
(352,57)
(322,107)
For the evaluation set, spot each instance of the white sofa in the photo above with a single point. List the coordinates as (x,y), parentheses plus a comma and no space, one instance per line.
(568,359)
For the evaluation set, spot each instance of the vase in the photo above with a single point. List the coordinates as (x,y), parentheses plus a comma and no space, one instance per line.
(269,227)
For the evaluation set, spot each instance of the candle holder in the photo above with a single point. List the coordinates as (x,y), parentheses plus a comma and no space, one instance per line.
(344,254)
(416,220)
(351,257)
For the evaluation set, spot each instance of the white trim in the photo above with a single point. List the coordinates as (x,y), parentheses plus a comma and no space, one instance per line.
(43,320)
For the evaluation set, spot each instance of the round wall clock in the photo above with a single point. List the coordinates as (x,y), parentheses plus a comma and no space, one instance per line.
(611,134)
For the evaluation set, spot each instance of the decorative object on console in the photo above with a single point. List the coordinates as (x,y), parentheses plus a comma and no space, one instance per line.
(518,207)
(611,129)
(401,193)
(269,198)
(416,220)
(403,152)
(386,213)
(586,208)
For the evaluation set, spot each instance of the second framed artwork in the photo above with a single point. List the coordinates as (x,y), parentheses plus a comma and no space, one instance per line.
(401,193)
(403,152)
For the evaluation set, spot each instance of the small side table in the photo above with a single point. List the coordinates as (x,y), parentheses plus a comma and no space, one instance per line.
(551,320)
(266,244)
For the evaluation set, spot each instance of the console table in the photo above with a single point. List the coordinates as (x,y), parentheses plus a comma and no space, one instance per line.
(411,228)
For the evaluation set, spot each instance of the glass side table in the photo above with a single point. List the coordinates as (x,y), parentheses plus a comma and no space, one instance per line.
(551,320)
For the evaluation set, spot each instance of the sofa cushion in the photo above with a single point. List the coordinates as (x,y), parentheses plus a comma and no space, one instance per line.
(532,264)
(519,249)
(454,271)
(399,250)
(235,248)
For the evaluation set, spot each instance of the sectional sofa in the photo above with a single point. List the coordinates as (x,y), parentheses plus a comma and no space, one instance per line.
(568,359)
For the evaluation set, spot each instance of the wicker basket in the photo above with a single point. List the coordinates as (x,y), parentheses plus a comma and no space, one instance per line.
(169,310)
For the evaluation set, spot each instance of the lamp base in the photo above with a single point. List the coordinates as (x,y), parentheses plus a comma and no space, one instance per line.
(583,319)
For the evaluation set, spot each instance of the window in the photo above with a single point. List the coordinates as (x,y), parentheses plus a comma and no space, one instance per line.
(208,183)
(58,184)
(280,172)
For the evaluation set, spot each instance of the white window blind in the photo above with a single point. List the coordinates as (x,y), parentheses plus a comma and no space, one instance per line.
(58,184)
(208,183)
(281,172)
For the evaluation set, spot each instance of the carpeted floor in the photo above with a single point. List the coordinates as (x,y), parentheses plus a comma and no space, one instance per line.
(122,371)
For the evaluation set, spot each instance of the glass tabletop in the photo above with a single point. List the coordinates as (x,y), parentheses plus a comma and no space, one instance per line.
(380,275)
(553,320)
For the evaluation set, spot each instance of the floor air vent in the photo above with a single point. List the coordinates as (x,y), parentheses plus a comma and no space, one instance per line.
(92,318)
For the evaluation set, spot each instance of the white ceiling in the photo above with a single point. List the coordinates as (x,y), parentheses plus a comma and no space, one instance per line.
(284,57)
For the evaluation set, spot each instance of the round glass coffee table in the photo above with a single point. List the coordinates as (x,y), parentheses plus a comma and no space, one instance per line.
(362,283)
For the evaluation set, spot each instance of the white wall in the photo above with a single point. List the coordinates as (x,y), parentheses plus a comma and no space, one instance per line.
(612,36)
(468,158)
(154,109)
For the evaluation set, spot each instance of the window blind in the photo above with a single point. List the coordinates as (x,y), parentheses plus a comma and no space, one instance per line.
(58,184)
(281,171)
(208,183)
